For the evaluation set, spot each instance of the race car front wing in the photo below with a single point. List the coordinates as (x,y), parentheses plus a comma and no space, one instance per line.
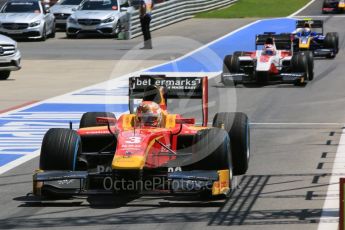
(78,183)
(283,78)
(324,53)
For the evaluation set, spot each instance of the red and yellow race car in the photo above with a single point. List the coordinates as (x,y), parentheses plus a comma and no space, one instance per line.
(148,150)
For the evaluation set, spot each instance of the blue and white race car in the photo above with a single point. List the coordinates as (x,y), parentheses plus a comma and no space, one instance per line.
(309,35)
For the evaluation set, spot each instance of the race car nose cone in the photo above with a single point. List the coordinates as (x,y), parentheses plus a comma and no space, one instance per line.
(128,162)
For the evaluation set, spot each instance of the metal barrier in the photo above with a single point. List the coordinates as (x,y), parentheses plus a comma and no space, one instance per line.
(170,12)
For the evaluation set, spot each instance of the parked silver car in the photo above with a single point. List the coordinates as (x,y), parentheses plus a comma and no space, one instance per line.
(26,19)
(96,16)
(9,57)
(62,10)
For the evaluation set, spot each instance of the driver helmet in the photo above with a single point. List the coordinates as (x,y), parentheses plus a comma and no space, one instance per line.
(149,114)
(306,30)
(269,49)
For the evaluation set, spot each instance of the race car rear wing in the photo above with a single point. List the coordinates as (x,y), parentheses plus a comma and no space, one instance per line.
(282,41)
(312,23)
(173,87)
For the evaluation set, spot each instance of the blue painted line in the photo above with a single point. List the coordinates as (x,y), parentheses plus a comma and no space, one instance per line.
(7,158)
(19,150)
(46,107)
(243,40)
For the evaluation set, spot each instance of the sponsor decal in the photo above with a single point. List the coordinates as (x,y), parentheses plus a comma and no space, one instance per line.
(174,83)
(65,182)
(133,140)
(102,169)
(176,169)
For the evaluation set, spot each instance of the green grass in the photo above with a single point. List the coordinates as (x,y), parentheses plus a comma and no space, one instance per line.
(256,9)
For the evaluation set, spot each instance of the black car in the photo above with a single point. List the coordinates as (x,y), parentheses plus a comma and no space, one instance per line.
(333,6)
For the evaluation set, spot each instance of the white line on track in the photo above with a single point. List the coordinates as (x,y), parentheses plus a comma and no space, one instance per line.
(329,216)
(19,161)
(204,46)
(321,16)
(300,10)
(296,123)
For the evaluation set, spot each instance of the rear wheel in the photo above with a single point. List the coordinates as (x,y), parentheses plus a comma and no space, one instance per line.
(237,127)
(4,75)
(60,150)
(89,119)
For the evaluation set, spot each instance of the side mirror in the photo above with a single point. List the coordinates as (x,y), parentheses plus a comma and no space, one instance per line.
(123,9)
(46,8)
(181,121)
(106,120)
(74,9)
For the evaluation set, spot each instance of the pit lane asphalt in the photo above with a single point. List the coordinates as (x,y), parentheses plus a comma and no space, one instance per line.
(313,10)
(284,188)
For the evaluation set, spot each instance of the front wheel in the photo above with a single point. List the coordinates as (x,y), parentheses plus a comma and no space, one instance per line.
(71,36)
(299,64)
(237,127)
(4,75)
(231,64)
(213,152)
(53,33)
(310,61)
(331,43)
(44,34)
(60,150)
(117,30)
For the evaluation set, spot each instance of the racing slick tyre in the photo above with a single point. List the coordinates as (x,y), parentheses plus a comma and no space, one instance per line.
(60,149)
(336,35)
(238,53)
(4,75)
(212,152)
(299,64)
(231,64)
(310,60)
(212,147)
(331,43)
(89,119)
(237,127)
